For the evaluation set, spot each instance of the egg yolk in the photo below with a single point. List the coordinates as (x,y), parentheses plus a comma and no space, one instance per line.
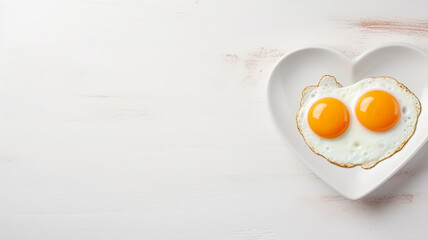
(378,110)
(328,118)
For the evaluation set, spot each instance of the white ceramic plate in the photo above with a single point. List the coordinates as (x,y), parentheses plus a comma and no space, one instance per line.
(306,66)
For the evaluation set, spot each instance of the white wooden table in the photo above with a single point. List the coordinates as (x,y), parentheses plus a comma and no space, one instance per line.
(127,119)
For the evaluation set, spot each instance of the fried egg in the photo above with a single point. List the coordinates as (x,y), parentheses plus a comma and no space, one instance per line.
(361,124)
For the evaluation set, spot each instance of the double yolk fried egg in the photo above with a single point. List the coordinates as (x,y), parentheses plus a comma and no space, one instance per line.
(361,124)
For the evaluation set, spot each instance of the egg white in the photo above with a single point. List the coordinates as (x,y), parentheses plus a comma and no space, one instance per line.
(359,145)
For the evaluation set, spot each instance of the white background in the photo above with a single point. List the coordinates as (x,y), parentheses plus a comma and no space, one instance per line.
(126,119)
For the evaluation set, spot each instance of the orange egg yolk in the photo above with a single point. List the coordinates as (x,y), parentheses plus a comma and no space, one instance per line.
(378,110)
(328,118)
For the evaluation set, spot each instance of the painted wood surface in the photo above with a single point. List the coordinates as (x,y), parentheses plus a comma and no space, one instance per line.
(127,119)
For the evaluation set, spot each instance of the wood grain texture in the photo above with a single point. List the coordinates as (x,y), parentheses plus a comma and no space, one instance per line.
(412,26)
(128,119)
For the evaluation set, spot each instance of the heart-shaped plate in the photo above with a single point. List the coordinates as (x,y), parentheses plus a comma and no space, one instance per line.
(304,67)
